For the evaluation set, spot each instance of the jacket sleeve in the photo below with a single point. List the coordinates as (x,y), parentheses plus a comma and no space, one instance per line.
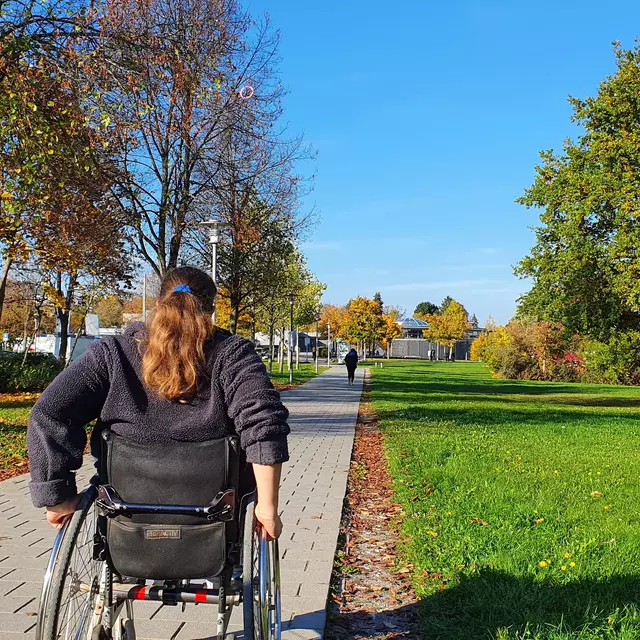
(56,433)
(253,404)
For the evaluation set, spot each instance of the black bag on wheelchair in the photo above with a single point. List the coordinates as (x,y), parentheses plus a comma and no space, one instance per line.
(172,546)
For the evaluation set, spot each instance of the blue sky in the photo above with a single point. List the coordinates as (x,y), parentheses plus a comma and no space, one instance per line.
(428,118)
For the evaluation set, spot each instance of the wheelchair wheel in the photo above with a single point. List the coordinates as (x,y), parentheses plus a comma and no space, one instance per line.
(74,593)
(261,582)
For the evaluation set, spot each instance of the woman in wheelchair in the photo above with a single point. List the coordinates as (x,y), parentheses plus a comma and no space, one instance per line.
(188,429)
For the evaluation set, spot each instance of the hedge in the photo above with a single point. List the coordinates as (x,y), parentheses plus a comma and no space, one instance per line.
(36,373)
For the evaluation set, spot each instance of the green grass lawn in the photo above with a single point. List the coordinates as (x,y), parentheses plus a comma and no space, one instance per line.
(14,413)
(300,376)
(522,501)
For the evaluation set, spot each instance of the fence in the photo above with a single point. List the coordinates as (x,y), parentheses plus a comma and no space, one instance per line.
(420,349)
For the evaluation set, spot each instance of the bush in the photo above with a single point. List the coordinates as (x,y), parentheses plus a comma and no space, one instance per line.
(38,371)
(506,360)
(615,363)
(478,348)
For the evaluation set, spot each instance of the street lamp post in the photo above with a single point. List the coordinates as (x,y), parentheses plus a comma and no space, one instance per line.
(214,227)
(317,336)
(328,344)
(291,301)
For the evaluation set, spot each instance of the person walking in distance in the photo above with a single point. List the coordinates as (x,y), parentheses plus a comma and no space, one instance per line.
(351,360)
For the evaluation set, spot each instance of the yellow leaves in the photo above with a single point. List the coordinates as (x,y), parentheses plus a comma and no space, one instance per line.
(449,327)
(433,534)
(5,195)
(54,296)
(392,330)
(537,521)
(596,494)
(476,520)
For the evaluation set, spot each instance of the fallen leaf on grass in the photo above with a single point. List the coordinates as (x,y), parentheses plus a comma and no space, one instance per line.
(596,494)
(537,521)
(612,541)
(478,521)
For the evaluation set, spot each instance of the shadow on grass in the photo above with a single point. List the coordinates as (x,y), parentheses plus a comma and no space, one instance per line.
(485,605)
(481,605)
(466,384)
(16,404)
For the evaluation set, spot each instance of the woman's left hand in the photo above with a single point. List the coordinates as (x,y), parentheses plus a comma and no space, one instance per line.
(58,515)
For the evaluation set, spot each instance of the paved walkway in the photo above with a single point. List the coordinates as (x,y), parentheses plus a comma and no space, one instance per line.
(323,417)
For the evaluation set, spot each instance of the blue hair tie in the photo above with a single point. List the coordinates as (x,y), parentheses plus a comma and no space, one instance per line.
(183,288)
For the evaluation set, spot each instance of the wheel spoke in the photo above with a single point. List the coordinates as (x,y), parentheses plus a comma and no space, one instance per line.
(80,588)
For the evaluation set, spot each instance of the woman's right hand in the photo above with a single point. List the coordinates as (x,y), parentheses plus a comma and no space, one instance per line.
(270,520)
(58,515)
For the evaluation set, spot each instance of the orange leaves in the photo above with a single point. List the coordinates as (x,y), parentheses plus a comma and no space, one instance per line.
(334,316)
(17,399)
(476,520)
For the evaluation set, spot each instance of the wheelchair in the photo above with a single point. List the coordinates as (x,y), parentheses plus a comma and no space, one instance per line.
(170,524)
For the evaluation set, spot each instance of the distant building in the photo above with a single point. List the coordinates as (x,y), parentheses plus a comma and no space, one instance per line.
(413,344)
(413,327)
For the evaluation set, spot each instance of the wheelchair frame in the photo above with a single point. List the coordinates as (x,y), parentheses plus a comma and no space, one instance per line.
(107,610)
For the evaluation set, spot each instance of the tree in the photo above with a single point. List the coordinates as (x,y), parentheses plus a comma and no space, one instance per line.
(392,330)
(394,311)
(449,327)
(425,309)
(377,298)
(183,87)
(336,317)
(585,264)
(364,322)
(109,310)
(50,157)
(273,314)
(445,305)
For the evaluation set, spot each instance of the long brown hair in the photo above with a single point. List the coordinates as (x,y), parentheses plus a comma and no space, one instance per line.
(173,360)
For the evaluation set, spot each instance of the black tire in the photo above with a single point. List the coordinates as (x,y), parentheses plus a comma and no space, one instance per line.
(74,597)
(249,574)
(261,583)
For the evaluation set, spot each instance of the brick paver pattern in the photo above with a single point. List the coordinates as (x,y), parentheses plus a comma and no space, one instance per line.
(323,417)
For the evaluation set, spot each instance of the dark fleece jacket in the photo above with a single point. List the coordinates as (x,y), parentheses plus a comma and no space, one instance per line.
(106,383)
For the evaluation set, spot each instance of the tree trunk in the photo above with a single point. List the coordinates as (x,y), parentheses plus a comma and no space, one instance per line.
(64,315)
(234,301)
(3,281)
(271,331)
(63,319)
(37,321)
(253,325)
(281,349)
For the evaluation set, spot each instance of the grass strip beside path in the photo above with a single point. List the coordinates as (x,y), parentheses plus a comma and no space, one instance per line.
(14,413)
(300,376)
(522,501)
